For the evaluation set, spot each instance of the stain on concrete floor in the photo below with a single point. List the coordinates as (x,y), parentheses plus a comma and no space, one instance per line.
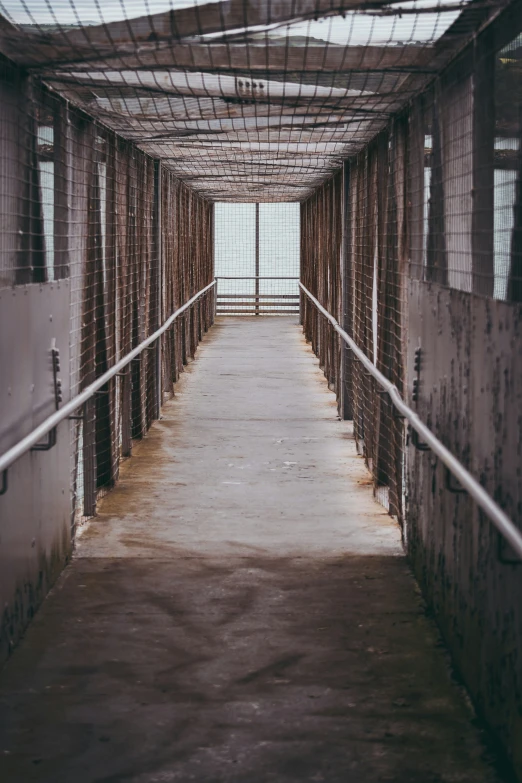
(241,609)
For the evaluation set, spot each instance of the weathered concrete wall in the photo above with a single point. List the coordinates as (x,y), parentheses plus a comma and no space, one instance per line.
(35,511)
(471,396)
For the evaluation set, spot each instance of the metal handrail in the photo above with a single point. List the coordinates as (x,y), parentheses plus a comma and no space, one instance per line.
(30,440)
(256,277)
(501,521)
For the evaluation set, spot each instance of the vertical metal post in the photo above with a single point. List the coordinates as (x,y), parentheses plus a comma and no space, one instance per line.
(483,140)
(159,287)
(183,329)
(173,357)
(213,251)
(89,458)
(345,403)
(126,412)
(257,259)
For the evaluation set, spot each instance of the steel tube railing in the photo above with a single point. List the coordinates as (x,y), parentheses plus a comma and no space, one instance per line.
(30,440)
(501,521)
(261,304)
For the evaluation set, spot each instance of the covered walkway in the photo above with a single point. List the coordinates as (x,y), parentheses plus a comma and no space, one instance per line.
(241,608)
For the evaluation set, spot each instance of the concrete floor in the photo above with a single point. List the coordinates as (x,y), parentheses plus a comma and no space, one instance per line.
(241,609)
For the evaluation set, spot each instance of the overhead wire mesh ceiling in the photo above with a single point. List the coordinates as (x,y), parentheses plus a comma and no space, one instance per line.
(245,100)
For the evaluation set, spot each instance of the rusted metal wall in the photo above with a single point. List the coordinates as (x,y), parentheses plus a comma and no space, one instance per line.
(470,394)
(431,287)
(464,225)
(35,509)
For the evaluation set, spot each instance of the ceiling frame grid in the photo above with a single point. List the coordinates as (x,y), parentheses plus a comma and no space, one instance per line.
(245,100)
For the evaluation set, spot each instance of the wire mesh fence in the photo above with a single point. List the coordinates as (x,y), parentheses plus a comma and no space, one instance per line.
(464,163)
(82,204)
(434,197)
(260,104)
(156,247)
(257,258)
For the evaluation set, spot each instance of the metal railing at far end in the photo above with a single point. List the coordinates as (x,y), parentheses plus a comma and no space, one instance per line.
(257,296)
(430,442)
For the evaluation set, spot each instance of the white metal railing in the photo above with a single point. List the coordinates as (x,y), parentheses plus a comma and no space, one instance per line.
(256,303)
(49,425)
(501,521)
